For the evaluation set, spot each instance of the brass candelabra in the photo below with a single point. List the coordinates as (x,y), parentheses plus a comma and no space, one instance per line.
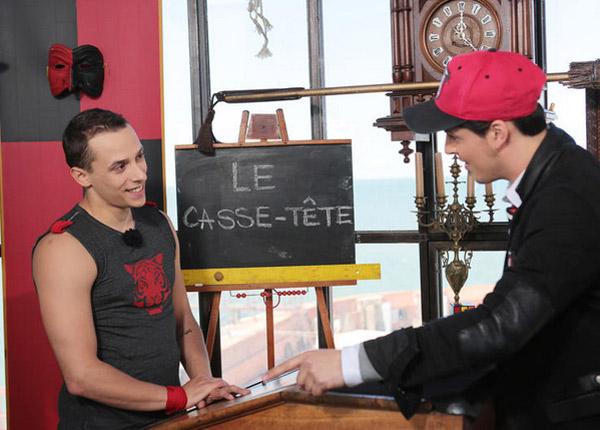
(454,219)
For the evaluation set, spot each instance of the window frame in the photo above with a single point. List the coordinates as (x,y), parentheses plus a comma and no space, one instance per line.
(491,236)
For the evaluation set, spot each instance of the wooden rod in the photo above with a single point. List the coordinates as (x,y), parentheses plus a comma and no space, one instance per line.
(212,325)
(243,126)
(270,330)
(256,95)
(324,318)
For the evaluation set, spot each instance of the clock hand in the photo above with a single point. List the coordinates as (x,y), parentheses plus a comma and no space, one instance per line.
(468,42)
(459,30)
(461,25)
(464,39)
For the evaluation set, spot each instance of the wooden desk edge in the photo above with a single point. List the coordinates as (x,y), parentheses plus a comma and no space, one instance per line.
(222,411)
(227,410)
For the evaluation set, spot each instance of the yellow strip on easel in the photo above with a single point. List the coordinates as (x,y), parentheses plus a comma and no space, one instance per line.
(281,274)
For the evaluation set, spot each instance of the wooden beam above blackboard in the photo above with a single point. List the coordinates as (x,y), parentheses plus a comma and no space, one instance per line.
(270,143)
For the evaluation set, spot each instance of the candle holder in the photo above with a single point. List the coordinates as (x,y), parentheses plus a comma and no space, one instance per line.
(455,220)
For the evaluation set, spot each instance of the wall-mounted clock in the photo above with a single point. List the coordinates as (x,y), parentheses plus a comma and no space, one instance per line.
(426,34)
(456,27)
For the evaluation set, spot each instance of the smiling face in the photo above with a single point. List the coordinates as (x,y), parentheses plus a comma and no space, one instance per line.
(476,151)
(117,176)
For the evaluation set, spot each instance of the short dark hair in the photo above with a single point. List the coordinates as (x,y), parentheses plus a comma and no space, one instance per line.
(84,126)
(529,125)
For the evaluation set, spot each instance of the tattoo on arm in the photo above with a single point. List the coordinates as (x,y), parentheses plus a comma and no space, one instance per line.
(188,331)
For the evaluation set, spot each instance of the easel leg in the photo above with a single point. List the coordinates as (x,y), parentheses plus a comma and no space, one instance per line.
(324,317)
(212,325)
(270,330)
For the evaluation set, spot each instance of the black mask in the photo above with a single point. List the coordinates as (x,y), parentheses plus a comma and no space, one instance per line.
(88,70)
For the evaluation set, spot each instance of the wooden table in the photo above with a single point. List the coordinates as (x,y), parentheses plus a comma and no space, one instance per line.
(282,405)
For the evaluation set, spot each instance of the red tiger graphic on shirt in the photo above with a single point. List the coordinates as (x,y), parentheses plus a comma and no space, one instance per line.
(151,284)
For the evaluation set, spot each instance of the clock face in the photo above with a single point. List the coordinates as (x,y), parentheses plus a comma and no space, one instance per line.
(456,27)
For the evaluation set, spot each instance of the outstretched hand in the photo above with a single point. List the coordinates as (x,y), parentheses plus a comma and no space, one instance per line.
(201,391)
(319,370)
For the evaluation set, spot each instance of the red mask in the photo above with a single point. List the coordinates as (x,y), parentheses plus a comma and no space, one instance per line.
(60,61)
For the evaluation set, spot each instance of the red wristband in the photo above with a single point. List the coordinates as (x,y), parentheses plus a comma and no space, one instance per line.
(176,399)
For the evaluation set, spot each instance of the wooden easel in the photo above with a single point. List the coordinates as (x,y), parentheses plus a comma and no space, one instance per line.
(214,281)
(215,300)
(271,129)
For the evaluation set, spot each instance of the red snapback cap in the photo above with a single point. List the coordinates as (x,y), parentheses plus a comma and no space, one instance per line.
(480,86)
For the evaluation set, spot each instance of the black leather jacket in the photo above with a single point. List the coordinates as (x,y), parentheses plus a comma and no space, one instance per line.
(540,327)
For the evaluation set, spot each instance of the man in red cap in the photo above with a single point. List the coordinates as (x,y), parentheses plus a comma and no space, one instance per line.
(534,343)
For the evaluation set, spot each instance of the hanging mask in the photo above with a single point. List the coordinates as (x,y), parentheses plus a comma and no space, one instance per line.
(88,70)
(60,61)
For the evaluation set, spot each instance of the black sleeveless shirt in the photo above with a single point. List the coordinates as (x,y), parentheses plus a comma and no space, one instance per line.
(132,307)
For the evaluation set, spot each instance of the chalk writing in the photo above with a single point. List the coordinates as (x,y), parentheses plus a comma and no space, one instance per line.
(310,215)
(259,181)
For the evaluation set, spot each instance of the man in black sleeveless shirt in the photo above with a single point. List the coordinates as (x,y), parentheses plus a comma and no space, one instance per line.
(111,291)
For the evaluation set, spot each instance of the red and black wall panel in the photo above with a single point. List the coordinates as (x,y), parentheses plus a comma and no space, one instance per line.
(36,185)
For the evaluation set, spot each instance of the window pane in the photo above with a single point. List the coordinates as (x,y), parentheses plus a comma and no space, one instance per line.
(486,270)
(384,204)
(357,52)
(177,96)
(295,320)
(243,338)
(376,307)
(243,330)
(234,42)
(235,66)
(563,47)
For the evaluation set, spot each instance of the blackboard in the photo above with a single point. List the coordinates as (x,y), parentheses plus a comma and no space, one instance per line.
(261,206)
